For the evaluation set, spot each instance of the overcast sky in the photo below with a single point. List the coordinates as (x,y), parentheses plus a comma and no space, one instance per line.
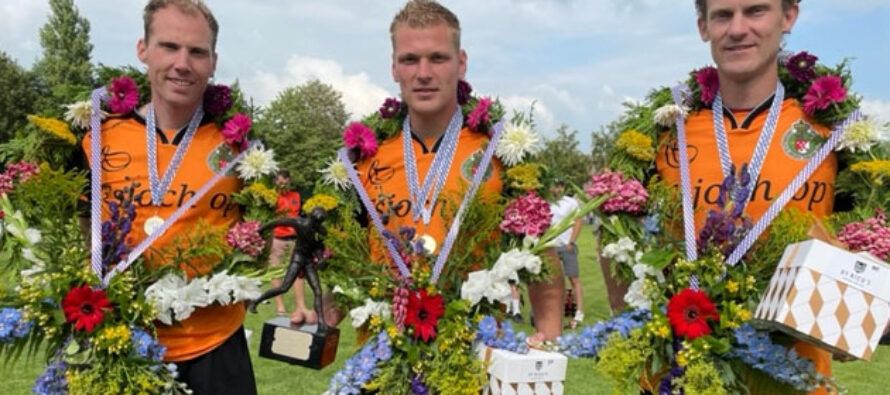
(578,60)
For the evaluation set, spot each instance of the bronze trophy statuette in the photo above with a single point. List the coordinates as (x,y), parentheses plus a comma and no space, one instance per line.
(309,345)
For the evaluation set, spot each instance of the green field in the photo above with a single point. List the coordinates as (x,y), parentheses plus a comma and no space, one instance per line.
(278,378)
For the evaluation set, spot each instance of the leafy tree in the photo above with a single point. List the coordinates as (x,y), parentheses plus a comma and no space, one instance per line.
(65,70)
(16,96)
(303,125)
(563,158)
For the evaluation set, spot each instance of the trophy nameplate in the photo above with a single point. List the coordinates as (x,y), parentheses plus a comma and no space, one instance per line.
(302,345)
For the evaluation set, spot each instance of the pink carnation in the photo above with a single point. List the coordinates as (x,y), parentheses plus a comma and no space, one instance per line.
(124,95)
(824,91)
(359,136)
(6,185)
(16,172)
(479,116)
(709,82)
(872,235)
(628,195)
(246,237)
(527,215)
(236,128)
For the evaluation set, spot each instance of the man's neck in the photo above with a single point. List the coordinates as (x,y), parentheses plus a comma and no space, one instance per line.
(172,118)
(747,94)
(431,127)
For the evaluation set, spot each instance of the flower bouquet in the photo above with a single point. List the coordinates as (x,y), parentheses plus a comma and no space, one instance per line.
(97,321)
(418,308)
(690,329)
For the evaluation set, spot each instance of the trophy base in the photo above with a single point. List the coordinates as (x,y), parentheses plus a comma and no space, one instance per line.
(302,345)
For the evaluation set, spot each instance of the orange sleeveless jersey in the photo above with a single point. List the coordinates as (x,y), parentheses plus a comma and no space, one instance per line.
(124,161)
(383,177)
(795,140)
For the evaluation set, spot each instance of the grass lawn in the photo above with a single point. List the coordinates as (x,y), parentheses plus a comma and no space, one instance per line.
(278,378)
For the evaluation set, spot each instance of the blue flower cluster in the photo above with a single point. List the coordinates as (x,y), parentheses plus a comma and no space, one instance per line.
(147,346)
(362,367)
(52,381)
(505,339)
(591,339)
(12,325)
(756,349)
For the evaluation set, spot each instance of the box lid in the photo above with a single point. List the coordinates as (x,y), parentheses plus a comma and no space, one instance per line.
(861,271)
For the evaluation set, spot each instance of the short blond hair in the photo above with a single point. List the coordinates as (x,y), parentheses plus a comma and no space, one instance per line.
(425,13)
(190,7)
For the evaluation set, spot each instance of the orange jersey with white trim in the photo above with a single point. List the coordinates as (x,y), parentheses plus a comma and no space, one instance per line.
(124,162)
(384,178)
(794,142)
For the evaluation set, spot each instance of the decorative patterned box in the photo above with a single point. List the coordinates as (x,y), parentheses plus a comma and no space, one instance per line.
(535,373)
(830,297)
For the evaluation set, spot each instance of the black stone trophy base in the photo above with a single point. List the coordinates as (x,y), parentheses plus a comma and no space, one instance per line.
(302,345)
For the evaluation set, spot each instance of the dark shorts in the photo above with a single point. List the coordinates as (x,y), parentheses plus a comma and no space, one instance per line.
(225,370)
(568,255)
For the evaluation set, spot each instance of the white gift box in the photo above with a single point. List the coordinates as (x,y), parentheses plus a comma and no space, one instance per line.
(535,373)
(828,296)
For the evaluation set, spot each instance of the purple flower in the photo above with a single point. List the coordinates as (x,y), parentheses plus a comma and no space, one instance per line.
(667,387)
(417,386)
(390,108)
(124,95)
(463,92)
(217,100)
(802,66)
(824,92)
(709,82)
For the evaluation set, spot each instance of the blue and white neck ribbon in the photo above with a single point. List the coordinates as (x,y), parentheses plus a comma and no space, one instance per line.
(159,187)
(774,209)
(763,142)
(96,197)
(435,177)
(453,230)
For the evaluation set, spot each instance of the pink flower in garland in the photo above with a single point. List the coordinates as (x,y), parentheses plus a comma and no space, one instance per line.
(235,130)
(479,116)
(360,137)
(246,237)
(628,195)
(872,235)
(824,92)
(709,82)
(22,170)
(528,215)
(217,100)
(124,95)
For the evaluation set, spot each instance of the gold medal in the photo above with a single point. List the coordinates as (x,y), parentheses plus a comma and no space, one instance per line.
(429,244)
(152,224)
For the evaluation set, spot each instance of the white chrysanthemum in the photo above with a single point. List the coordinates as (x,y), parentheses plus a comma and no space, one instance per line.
(861,136)
(362,313)
(257,162)
(517,141)
(336,174)
(636,295)
(667,115)
(474,288)
(79,114)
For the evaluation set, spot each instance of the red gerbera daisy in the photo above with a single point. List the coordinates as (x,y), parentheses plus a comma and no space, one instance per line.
(688,312)
(85,307)
(423,314)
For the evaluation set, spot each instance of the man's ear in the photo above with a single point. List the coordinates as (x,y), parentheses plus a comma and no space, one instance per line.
(703,29)
(142,50)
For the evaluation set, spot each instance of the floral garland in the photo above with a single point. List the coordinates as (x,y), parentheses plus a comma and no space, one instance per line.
(103,339)
(700,337)
(427,324)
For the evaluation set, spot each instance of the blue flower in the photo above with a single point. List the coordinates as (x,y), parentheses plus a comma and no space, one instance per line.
(12,326)
(757,350)
(52,381)
(146,345)
(591,339)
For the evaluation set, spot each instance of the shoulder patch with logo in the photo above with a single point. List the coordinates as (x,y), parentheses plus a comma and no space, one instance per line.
(220,157)
(468,168)
(801,141)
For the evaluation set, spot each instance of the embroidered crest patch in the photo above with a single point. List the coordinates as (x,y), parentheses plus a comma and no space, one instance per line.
(220,157)
(468,168)
(801,141)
